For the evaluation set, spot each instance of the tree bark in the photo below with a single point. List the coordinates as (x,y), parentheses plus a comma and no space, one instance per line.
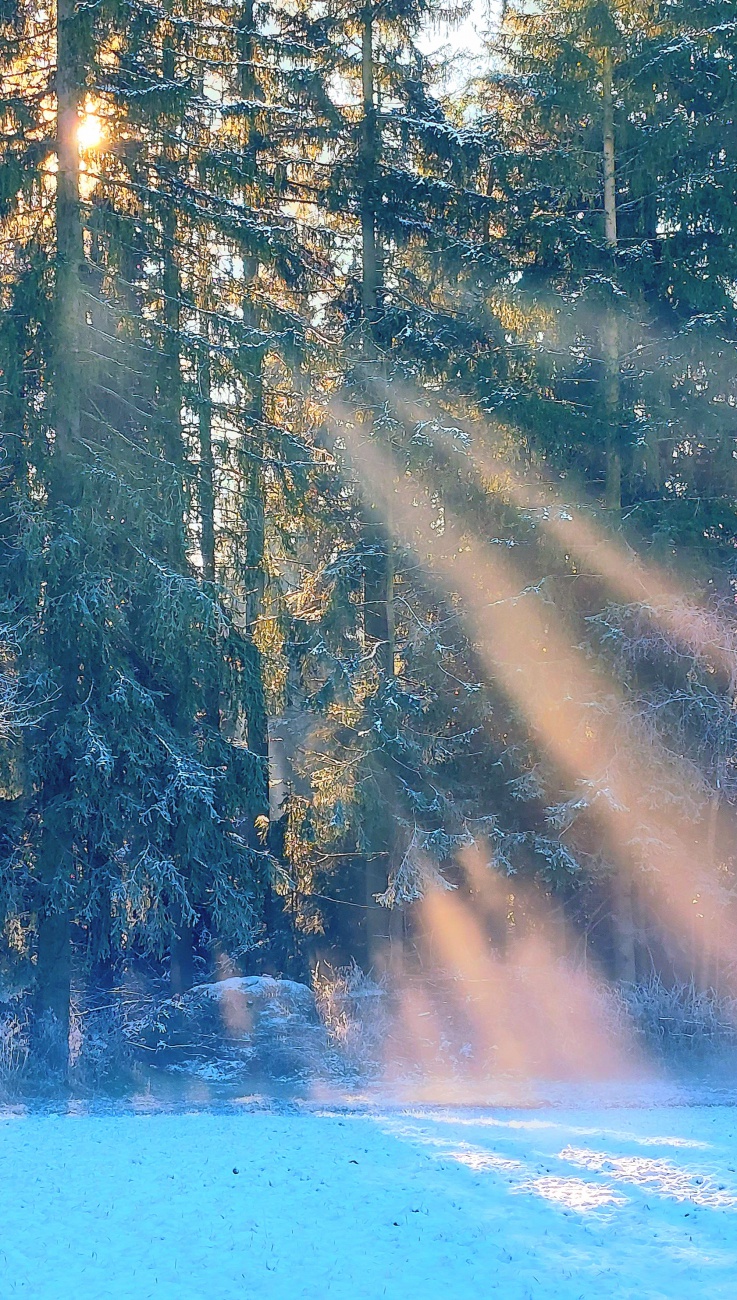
(624,928)
(69,242)
(255,505)
(610,182)
(257,720)
(50,1033)
(378,596)
(181,954)
(378,564)
(182,942)
(707,947)
(613,487)
(369,159)
(54,953)
(207,493)
(207,460)
(623,908)
(613,484)
(379,561)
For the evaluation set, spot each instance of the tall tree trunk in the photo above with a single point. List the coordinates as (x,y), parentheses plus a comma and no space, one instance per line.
(255,505)
(182,942)
(613,488)
(50,1038)
(378,596)
(181,958)
(255,575)
(170,381)
(207,491)
(54,958)
(610,181)
(613,485)
(623,893)
(707,948)
(257,722)
(207,460)
(369,160)
(69,243)
(624,929)
(378,565)
(255,557)
(182,945)
(258,737)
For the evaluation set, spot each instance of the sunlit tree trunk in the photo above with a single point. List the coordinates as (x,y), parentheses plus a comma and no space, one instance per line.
(207,460)
(54,959)
(255,578)
(175,474)
(623,896)
(254,499)
(170,383)
(378,564)
(610,185)
(369,159)
(613,489)
(255,557)
(207,493)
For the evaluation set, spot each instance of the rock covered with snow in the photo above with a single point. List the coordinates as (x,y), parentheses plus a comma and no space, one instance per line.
(240,999)
(262,1025)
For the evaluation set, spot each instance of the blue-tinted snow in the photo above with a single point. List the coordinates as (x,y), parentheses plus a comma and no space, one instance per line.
(334,1203)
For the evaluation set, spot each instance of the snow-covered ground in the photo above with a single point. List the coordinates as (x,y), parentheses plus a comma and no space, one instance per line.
(408,1204)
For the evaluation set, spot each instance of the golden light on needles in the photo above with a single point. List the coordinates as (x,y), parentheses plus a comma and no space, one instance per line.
(89,132)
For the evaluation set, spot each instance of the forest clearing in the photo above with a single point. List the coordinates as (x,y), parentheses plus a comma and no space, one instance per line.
(361,1204)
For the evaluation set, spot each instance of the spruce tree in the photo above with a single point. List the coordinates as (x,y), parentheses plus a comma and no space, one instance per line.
(593,177)
(136,802)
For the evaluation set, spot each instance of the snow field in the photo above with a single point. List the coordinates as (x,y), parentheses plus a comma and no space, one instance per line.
(409,1205)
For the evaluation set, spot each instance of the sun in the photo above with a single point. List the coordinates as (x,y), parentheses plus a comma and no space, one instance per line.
(89,131)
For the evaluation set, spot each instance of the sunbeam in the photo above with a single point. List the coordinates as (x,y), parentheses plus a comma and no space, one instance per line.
(603,750)
(573,526)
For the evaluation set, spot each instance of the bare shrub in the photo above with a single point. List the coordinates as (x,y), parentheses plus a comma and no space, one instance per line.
(99,1049)
(680,1019)
(13,1044)
(354,1009)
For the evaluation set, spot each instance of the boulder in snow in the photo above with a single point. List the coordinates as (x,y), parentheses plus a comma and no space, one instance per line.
(270,1026)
